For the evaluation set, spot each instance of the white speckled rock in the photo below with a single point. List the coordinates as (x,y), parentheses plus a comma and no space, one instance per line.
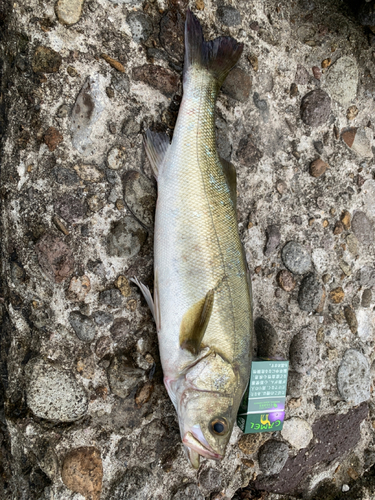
(297,432)
(362,142)
(54,394)
(69,11)
(320,259)
(353,377)
(366,324)
(342,80)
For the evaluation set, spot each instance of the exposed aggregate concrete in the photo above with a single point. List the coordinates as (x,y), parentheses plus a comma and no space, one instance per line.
(83,411)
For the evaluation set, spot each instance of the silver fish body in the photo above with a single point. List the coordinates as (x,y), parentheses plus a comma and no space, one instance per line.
(203,305)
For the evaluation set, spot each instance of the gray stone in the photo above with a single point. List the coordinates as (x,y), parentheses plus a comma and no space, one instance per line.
(70,208)
(223,145)
(130,126)
(140,26)
(302,75)
(86,120)
(120,82)
(262,105)
(116,158)
(65,176)
(310,293)
(318,145)
(342,79)
(54,394)
(366,324)
(267,339)
(297,432)
(123,378)
(362,227)
(362,145)
(111,297)
(367,276)
(272,456)
(366,298)
(140,196)
(296,258)
(320,259)
(102,318)
(315,108)
(112,176)
(273,239)
(353,377)
(188,492)
(210,479)
(265,82)
(82,325)
(126,238)
(302,351)
(134,484)
(237,85)
(228,15)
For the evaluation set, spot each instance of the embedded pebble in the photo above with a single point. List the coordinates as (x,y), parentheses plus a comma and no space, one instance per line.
(302,75)
(359,140)
(353,377)
(54,394)
(368,190)
(228,15)
(46,60)
(272,456)
(248,154)
(366,324)
(111,297)
(130,126)
(366,298)
(337,295)
(351,319)
(86,118)
(273,239)
(126,238)
(52,138)
(55,258)
(82,472)
(188,492)
(296,258)
(342,79)
(116,158)
(65,176)
(302,351)
(320,259)
(362,227)
(70,208)
(123,377)
(318,167)
(352,244)
(297,432)
(102,318)
(140,26)
(140,196)
(96,202)
(237,85)
(367,276)
(262,105)
(315,108)
(69,11)
(161,79)
(286,280)
(82,325)
(267,339)
(210,479)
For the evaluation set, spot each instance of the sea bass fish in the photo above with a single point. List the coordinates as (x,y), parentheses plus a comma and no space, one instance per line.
(202,297)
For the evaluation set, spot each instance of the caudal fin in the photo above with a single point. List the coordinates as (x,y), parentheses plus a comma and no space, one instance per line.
(217,56)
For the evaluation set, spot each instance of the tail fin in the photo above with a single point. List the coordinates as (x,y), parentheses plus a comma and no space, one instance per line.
(217,56)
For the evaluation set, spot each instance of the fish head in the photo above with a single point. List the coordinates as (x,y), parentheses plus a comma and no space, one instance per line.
(207,407)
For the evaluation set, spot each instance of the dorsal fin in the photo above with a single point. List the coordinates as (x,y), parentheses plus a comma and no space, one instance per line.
(194,323)
(231,176)
(156,145)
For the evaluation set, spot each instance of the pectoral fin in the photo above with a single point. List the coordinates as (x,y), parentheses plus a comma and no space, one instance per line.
(194,323)
(153,305)
(231,176)
(156,146)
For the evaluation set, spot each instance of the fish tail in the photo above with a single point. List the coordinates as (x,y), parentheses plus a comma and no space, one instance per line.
(217,56)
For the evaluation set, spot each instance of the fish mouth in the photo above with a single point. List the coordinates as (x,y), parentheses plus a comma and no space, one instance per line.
(191,440)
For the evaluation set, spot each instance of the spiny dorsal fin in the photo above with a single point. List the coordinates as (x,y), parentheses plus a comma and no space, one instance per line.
(231,176)
(217,56)
(156,146)
(194,323)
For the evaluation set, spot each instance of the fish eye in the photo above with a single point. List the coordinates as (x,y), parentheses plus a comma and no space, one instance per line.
(219,426)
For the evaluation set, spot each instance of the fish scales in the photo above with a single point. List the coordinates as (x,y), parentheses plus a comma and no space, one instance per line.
(202,300)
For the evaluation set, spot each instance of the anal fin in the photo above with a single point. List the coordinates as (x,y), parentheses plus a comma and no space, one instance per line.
(194,323)
(156,146)
(148,298)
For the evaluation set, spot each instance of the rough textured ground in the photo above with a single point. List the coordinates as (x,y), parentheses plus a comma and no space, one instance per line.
(84,413)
